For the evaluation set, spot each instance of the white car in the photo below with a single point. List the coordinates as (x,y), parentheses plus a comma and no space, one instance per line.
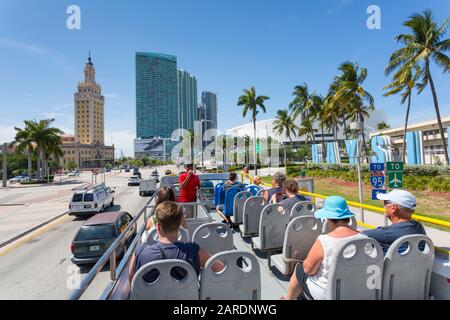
(18,179)
(134,181)
(147,187)
(91,201)
(74,174)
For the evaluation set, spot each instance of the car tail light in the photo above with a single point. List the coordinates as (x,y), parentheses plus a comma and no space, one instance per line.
(72,247)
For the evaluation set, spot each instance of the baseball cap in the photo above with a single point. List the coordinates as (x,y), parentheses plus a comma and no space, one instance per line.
(400,197)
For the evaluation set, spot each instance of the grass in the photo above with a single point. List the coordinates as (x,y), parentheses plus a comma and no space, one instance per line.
(430,204)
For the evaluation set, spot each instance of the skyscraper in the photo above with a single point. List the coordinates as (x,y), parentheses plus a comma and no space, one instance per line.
(156,95)
(209,99)
(187,99)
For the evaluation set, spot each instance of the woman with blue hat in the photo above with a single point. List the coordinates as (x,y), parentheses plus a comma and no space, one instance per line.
(311,276)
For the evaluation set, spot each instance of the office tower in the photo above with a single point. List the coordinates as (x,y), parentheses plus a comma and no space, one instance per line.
(89,109)
(209,99)
(187,100)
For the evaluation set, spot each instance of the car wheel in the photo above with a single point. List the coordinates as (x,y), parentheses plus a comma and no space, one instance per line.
(112,203)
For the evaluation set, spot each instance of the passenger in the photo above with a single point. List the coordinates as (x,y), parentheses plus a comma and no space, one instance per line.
(169,215)
(164,194)
(291,190)
(311,276)
(189,184)
(168,172)
(399,205)
(257,180)
(232,182)
(278,181)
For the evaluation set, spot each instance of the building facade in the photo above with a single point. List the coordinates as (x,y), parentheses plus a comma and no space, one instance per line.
(209,100)
(187,99)
(430,140)
(86,148)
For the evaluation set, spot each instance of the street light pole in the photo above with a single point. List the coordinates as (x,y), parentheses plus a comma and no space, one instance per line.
(5,167)
(358,127)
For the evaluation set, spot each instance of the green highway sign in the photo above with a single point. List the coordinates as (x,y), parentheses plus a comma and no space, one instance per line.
(395,167)
(395,180)
(258,147)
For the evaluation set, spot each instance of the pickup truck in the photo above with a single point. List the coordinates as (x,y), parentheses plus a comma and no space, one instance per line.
(147,187)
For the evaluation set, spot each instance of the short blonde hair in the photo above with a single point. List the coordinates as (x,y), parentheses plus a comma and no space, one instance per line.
(169,215)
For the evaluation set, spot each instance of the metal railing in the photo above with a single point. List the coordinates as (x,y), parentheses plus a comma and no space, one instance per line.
(110,255)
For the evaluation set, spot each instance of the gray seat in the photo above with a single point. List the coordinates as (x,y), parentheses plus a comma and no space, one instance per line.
(165,287)
(272,227)
(240,280)
(261,193)
(154,238)
(327,228)
(303,208)
(356,271)
(252,213)
(412,252)
(238,207)
(214,237)
(300,235)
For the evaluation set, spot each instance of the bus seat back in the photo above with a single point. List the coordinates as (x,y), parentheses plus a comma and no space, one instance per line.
(214,237)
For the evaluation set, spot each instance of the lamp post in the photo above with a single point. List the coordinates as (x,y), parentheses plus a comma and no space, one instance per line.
(358,127)
(5,167)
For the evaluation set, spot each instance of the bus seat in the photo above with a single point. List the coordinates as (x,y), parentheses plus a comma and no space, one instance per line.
(260,193)
(253,189)
(153,236)
(230,194)
(240,280)
(327,228)
(303,208)
(238,207)
(412,252)
(356,271)
(251,215)
(300,235)
(166,286)
(219,194)
(272,227)
(214,237)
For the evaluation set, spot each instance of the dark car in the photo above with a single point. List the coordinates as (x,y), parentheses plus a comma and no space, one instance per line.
(97,234)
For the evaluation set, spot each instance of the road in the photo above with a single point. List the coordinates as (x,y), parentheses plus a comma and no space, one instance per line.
(39,267)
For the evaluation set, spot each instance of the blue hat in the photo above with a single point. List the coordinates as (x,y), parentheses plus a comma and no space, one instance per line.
(334,207)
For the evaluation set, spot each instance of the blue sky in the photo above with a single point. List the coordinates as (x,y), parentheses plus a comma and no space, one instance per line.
(228,45)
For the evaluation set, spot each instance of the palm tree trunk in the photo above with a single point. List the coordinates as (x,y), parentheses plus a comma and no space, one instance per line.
(406,127)
(38,163)
(345,129)
(364,136)
(30,169)
(436,107)
(254,137)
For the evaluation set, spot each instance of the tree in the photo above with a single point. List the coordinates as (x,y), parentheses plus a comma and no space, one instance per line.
(382,126)
(250,101)
(349,92)
(24,142)
(71,165)
(422,45)
(285,124)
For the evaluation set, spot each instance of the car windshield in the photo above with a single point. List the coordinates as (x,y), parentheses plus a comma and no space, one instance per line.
(88,197)
(78,197)
(96,232)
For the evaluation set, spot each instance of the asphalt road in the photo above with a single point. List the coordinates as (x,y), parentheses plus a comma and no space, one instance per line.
(40,267)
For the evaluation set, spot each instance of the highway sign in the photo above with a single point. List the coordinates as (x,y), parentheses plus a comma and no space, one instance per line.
(377,167)
(395,180)
(395,167)
(377,181)
(377,191)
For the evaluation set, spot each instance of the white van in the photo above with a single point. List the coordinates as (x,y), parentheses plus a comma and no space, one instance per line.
(91,201)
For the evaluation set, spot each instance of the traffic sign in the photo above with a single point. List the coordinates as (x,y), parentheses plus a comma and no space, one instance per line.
(377,167)
(377,181)
(395,180)
(395,167)
(377,191)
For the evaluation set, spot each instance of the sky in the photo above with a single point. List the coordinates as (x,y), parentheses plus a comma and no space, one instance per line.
(228,45)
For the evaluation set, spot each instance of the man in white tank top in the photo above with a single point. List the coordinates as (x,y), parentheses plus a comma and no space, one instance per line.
(311,276)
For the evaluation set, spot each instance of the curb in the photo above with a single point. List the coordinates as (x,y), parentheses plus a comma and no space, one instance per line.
(23,234)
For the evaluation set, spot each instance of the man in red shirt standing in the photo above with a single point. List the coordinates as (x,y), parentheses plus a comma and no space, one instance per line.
(189,183)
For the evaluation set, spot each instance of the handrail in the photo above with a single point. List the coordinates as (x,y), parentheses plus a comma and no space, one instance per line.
(107,256)
(378,209)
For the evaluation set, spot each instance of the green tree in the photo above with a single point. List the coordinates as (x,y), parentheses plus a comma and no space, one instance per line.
(24,143)
(382,125)
(285,124)
(71,165)
(250,102)
(423,44)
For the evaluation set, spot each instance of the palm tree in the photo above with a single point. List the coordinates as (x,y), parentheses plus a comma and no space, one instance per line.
(251,102)
(382,126)
(285,124)
(403,84)
(348,92)
(24,142)
(302,104)
(422,45)
(307,130)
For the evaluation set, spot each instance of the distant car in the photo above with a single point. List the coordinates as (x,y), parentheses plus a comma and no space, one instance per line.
(134,181)
(97,234)
(74,174)
(18,179)
(127,170)
(147,187)
(91,201)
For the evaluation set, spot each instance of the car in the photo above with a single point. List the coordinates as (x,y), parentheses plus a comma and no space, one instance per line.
(91,201)
(127,170)
(18,179)
(134,181)
(147,187)
(97,234)
(75,173)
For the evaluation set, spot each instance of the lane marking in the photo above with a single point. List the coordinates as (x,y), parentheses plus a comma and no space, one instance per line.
(34,234)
